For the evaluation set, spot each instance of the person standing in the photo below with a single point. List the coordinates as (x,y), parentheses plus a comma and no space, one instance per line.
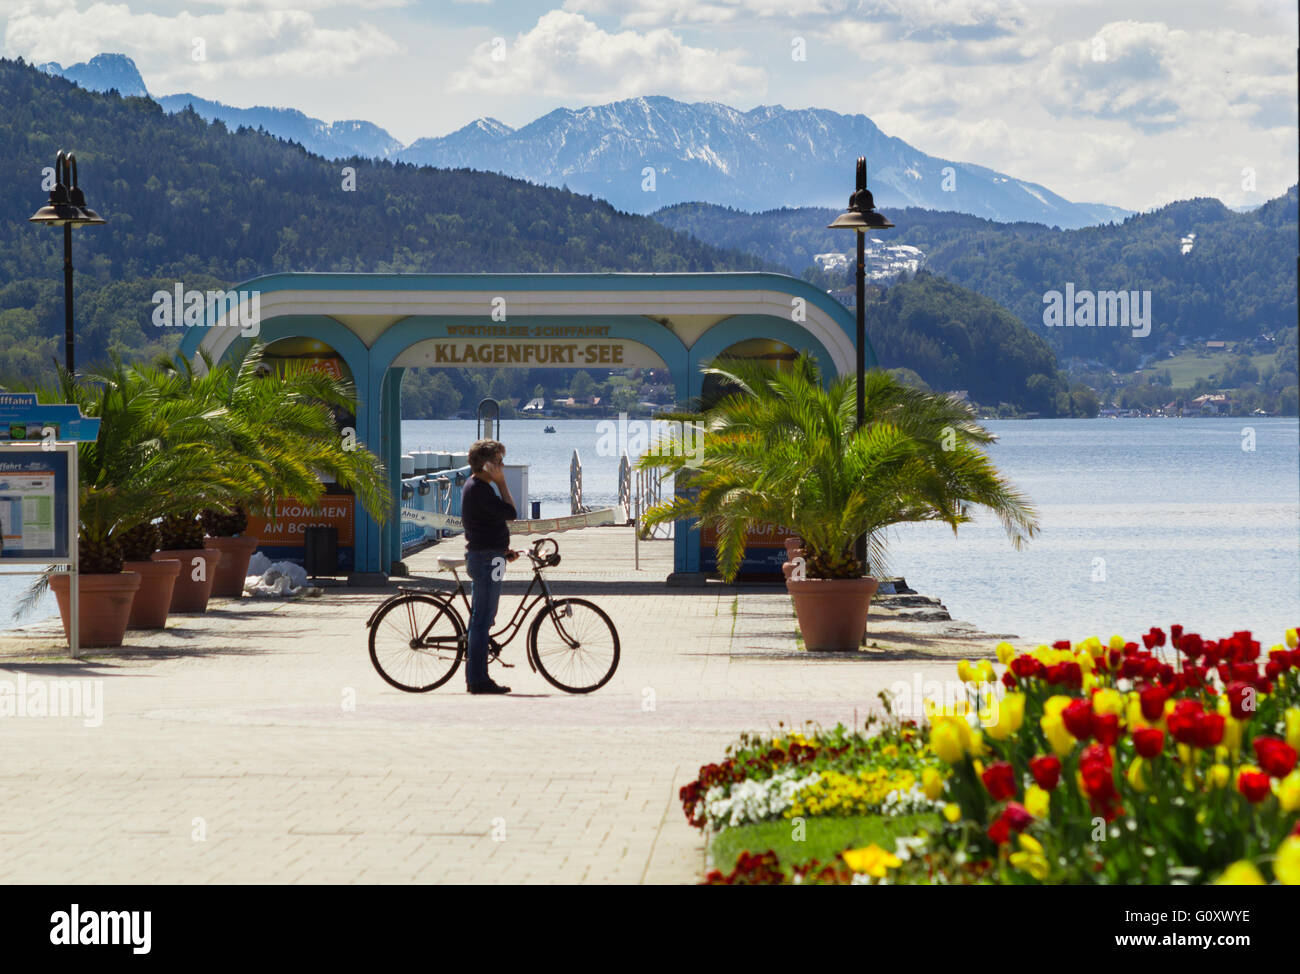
(485,517)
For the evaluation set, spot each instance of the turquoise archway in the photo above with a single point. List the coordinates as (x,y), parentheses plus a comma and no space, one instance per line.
(373,320)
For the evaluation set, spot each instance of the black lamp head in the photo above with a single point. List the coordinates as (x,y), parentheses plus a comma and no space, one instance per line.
(861,214)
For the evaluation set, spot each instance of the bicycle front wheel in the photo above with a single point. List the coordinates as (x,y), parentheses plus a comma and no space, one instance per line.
(574,645)
(417,642)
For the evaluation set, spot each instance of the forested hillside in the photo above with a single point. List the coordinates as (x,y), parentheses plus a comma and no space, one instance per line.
(191,201)
(1236,280)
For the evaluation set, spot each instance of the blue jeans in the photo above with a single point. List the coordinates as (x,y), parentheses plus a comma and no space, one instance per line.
(485,594)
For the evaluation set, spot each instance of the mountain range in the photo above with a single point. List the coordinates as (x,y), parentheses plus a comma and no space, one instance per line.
(642,154)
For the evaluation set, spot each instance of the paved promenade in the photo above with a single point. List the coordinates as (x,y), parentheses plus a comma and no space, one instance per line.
(256,744)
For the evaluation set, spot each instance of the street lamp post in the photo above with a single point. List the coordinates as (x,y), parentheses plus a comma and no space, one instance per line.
(67,208)
(860,217)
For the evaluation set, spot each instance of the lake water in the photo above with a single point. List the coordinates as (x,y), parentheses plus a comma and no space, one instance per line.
(1144,522)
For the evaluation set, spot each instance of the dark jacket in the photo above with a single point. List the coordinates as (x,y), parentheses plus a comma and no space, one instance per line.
(484,516)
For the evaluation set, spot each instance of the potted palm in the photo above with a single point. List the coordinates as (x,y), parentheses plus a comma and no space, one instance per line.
(150,457)
(281,422)
(225,532)
(780,447)
(181,539)
(152,603)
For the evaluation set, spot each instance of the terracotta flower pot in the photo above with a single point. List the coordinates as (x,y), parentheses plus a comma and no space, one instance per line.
(191,593)
(832,612)
(233,567)
(153,600)
(105,606)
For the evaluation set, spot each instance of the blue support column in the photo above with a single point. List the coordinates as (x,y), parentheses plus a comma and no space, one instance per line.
(369,540)
(392,456)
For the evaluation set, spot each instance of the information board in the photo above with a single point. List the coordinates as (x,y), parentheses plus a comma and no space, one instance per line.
(34,504)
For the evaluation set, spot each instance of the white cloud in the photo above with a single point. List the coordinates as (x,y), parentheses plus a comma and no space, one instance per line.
(251,42)
(565,55)
(936,18)
(1155,77)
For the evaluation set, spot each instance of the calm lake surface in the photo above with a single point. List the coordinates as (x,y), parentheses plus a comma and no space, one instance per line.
(1144,522)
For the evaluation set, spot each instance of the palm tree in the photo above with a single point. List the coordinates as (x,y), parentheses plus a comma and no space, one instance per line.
(279,426)
(781,448)
(152,458)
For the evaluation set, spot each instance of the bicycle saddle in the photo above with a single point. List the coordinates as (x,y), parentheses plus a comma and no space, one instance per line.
(451,561)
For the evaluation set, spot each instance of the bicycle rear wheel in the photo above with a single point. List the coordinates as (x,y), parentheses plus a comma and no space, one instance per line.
(574,645)
(417,642)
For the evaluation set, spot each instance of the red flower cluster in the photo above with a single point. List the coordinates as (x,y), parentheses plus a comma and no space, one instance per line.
(752,869)
(1097,772)
(1188,723)
(1014,818)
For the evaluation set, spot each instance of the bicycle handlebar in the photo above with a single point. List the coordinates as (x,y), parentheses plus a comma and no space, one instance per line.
(550,558)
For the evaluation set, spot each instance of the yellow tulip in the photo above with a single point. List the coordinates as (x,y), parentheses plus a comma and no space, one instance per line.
(1136,775)
(1286,867)
(1232,728)
(932,784)
(1293,727)
(1133,712)
(952,812)
(1006,653)
(1009,713)
(945,741)
(1062,740)
(976,744)
(984,671)
(1241,873)
(873,861)
(1030,859)
(1117,641)
(1288,792)
(964,672)
(1038,801)
(1291,638)
(1220,776)
(1108,702)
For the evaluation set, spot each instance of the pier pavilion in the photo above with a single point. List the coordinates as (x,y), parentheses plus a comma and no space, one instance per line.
(374,326)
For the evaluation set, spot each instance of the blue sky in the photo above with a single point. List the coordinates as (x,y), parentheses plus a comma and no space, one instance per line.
(1134,103)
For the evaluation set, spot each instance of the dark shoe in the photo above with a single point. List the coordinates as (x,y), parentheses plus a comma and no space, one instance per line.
(489,687)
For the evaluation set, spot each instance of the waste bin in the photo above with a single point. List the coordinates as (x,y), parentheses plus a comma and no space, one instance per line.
(537,510)
(321,551)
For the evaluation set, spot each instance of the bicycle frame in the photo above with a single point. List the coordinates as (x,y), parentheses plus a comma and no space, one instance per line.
(506,634)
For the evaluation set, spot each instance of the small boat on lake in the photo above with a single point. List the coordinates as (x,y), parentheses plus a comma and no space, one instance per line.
(549,429)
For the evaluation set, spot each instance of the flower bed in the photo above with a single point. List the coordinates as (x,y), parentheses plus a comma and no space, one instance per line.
(1173,761)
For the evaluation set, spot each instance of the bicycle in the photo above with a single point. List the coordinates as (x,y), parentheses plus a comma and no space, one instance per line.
(418,638)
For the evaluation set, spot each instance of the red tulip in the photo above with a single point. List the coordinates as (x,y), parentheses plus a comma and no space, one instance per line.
(1275,756)
(1149,741)
(1106,728)
(1000,780)
(1241,699)
(1000,831)
(1016,816)
(1208,731)
(1077,717)
(1046,769)
(1254,785)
